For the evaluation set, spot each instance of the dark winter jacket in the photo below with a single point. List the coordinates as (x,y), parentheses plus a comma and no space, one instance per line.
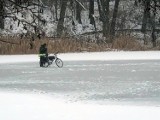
(43,51)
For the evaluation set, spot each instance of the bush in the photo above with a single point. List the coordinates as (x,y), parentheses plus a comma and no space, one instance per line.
(63,45)
(127,43)
(15,45)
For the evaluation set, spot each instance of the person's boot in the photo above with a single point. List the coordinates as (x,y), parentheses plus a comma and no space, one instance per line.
(41,64)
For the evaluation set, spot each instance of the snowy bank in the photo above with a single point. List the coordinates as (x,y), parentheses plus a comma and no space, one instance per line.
(40,107)
(136,55)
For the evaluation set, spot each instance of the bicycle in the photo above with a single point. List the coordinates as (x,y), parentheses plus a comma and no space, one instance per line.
(51,59)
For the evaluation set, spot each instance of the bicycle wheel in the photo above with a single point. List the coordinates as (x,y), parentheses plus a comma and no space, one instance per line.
(59,62)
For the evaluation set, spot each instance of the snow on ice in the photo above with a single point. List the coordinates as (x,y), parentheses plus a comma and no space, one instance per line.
(145,55)
(22,105)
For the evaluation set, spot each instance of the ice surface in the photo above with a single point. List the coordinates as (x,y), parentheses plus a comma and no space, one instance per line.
(97,86)
(122,81)
(40,107)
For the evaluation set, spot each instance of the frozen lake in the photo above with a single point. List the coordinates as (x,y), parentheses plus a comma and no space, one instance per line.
(104,82)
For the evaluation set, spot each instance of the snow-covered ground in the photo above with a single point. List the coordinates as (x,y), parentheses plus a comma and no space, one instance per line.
(92,56)
(105,85)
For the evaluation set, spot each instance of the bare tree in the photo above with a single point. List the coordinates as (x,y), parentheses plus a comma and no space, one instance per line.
(146,15)
(1,14)
(78,12)
(153,24)
(11,8)
(60,26)
(91,11)
(113,22)
(103,7)
(149,18)
(56,9)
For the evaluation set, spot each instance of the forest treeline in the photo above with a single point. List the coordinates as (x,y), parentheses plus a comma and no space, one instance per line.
(115,17)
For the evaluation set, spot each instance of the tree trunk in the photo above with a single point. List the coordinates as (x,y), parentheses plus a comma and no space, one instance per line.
(104,15)
(99,9)
(1,22)
(91,11)
(1,14)
(153,26)
(78,13)
(60,26)
(113,22)
(56,9)
(146,15)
